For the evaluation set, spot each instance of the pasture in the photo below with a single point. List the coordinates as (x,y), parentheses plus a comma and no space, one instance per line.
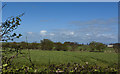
(43,58)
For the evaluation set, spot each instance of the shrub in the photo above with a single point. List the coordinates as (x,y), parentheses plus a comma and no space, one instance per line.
(46,44)
(97,46)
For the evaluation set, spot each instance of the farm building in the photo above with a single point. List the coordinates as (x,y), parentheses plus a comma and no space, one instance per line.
(110,46)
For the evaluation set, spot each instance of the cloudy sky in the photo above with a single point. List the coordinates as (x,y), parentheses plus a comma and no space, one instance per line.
(81,22)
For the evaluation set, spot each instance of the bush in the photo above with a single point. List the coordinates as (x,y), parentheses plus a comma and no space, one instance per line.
(97,46)
(60,47)
(116,47)
(47,44)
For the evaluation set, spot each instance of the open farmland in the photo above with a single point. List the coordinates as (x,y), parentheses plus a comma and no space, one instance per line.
(60,57)
(59,37)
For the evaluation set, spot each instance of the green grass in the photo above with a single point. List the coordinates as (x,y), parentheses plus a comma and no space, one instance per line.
(41,58)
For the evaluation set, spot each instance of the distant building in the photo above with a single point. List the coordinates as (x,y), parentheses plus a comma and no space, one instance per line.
(110,46)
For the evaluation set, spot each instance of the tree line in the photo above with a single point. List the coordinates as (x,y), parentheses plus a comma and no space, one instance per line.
(47,44)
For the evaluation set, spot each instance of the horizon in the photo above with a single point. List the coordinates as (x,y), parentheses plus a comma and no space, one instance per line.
(58,41)
(81,22)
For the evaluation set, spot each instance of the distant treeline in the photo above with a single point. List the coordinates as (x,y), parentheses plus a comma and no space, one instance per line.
(47,44)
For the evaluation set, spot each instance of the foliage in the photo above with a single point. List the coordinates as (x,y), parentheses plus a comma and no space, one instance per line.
(33,45)
(7,33)
(62,68)
(46,44)
(23,69)
(59,46)
(60,61)
(8,26)
(79,68)
(116,47)
(97,46)
(7,29)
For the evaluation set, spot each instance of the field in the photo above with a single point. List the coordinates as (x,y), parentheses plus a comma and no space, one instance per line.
(41,58)
(18,57)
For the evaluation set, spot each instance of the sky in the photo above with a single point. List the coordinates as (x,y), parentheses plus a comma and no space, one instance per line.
(60,0)
(80,22)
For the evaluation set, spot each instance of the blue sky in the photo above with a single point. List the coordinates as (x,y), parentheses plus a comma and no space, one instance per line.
(81,22)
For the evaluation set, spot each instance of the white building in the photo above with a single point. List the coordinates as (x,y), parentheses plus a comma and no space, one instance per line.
(110,46)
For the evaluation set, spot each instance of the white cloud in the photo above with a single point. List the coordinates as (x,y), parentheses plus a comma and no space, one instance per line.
(71,33)
(87,34)
(83,35)
(110,21)
(43,32)
(52,34)
(30,33)
(106,35)
(67,32)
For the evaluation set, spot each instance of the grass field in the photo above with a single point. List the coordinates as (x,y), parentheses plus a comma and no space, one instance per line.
(41,58)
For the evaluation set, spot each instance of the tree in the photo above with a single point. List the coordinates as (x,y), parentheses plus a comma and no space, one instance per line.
(58,46)
(46,44)
(97,46)
(100,46)
(7,33)
(116,47)
(92,46)
(33,45)
(8,27)
(23,45)
(74,47)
